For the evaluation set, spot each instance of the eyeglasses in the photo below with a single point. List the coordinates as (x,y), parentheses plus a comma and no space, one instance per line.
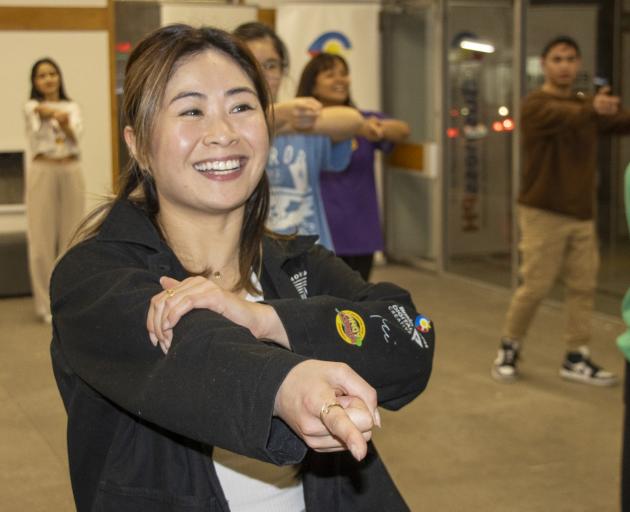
(272,67)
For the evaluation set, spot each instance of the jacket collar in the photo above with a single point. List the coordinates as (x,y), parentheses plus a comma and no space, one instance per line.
(129,223)
(277,252)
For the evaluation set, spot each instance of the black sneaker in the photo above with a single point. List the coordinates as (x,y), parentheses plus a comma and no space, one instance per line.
(504,367)
(577,366)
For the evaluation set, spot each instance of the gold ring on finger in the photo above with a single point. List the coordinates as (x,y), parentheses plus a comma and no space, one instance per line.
(326,408)
(170,292)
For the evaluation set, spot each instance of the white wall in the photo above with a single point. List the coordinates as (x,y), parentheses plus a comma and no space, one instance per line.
(220,16)
(301,24)
(83,58)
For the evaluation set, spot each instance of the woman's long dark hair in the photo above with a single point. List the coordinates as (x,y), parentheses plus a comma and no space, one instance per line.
(318,64)
(35,94)
(151,65)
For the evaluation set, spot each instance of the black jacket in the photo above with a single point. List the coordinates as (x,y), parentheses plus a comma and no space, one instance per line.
(141,425)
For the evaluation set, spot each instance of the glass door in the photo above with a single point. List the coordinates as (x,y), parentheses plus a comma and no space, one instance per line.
(479,125)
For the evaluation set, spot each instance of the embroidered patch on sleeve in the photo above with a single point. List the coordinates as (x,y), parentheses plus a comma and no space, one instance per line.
(351,327)
(423,324)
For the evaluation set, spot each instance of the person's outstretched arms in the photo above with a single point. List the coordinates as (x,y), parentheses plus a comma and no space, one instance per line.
(612,118)
(327,421)
(68,120)
(307,387)
(395,130)
(70,123)
(218,384)
(375,329)
(378,129)
(306,115)
(295,115)
(338,123)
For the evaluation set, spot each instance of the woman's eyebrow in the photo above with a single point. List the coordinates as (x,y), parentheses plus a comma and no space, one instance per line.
(187,94)
(196,94)
(240,90)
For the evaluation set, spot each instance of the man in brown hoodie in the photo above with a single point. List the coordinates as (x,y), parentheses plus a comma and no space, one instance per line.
(556,209)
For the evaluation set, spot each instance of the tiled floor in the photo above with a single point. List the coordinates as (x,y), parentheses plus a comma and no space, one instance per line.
(467,444)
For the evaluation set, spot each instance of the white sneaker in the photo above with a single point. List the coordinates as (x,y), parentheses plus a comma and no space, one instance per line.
(504,367)
(578,367)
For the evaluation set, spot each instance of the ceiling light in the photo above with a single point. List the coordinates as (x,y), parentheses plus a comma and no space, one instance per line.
(476,46)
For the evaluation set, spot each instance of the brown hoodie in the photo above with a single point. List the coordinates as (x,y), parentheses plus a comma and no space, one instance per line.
(560,152)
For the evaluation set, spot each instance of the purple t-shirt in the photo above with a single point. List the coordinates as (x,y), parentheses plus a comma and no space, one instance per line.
(350,200)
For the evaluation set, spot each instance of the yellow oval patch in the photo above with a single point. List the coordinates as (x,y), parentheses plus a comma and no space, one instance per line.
(350,327)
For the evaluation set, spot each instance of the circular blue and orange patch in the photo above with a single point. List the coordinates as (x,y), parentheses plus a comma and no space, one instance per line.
(422,324)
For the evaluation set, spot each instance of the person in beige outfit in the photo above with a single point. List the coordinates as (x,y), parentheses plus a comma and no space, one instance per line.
(556,210)
(55,191)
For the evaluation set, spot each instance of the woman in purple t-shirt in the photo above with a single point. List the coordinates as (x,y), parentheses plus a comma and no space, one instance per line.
(350,198)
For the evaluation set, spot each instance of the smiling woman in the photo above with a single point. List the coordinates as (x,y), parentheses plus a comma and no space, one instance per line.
(211,123)
(163,351)
(55,190)
(350,197)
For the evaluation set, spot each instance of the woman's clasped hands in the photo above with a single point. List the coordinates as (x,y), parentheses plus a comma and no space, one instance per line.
(327,404)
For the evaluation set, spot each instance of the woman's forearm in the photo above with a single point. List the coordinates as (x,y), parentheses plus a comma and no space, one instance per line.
(338,123)
(395,130)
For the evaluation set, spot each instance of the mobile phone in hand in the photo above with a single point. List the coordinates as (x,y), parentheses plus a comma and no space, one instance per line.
(599,82)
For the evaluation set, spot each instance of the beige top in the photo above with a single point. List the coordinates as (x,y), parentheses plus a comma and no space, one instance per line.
(45,136)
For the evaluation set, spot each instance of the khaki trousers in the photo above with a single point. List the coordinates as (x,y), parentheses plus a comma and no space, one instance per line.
(55,203)
(554,246)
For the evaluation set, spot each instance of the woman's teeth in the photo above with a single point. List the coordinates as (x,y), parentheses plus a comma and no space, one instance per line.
(225,166)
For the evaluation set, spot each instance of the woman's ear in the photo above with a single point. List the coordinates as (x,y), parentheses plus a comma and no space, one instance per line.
(130,139)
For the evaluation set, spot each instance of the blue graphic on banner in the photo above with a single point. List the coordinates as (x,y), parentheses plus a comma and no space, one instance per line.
(330,42)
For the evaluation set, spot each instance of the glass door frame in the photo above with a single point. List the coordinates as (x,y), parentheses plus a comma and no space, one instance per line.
(519,9)
(518,90)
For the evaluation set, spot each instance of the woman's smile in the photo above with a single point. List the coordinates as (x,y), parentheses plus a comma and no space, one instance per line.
(229,168)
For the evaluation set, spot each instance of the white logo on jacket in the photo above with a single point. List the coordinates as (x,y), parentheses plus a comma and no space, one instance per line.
(299,280)
(403,318)
(385,328)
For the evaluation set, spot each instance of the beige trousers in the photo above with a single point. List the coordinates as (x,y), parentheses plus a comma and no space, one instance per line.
(554,246)
(55,203)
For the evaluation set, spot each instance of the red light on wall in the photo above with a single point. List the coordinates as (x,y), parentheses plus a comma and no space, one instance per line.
(124,47)
(451,133)
(497,126)
(508,124)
